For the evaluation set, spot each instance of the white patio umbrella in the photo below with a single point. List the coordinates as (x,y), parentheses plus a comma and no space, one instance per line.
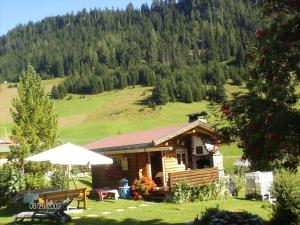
(70,154)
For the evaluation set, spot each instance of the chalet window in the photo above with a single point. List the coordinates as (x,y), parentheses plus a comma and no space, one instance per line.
(181,157)
(121,162)
(199,150)
(180,142)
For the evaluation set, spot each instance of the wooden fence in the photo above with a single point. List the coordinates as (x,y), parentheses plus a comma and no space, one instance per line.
(194,177)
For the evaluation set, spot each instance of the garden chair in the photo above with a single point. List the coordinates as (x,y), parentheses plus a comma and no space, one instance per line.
(107,192)
(58,215)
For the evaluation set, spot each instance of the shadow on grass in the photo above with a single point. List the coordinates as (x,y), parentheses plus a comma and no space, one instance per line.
(105,221)
(143,102)
(12,210)
(86,182)
(249,199)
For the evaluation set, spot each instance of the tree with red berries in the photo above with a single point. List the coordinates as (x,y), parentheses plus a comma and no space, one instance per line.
(266,122)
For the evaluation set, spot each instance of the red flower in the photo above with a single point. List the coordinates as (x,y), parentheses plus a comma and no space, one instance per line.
(286,145)
(293,3)
(295,34)
(269,11)
(261,62)
(269,146)
(266,50)
(225,107)
(287,45)
(253,126)
(226,112)
(272,135)
(260,34)
(142,187)
(269,116)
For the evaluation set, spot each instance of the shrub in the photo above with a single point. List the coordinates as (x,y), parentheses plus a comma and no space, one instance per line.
(237,179)
(36,181)
(58,179)
(75,171)
(206,192)
(240,170)
(239,183)
(10,183)
(182,192)
(12,86)
(215,216)
(35,174)
(142,187)
(286,191)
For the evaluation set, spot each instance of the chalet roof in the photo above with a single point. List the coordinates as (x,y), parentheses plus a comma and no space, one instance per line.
(4,148)
(144,139)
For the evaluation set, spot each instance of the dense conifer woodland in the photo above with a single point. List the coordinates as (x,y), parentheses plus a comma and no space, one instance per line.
(186,49)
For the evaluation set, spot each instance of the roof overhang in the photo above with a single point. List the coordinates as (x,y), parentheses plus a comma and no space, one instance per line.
(192,125)
(138,150)
(4,149)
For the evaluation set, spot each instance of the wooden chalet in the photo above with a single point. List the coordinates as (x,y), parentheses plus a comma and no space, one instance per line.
(167,155)
(4,150)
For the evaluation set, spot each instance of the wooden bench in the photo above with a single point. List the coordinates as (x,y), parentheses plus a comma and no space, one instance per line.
(79,195)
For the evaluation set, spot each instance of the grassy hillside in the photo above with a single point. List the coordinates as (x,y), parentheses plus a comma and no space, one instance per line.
(87,118)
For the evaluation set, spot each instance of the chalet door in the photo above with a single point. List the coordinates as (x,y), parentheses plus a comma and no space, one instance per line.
(156,168)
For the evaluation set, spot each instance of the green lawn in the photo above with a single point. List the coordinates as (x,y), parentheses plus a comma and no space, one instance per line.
(157,213)
(231,153)
(154,213)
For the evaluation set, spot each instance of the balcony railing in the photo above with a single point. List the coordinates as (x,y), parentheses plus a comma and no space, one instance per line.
(194,177)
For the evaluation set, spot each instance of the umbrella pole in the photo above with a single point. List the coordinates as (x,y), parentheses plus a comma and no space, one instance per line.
(68,179)
(74,182)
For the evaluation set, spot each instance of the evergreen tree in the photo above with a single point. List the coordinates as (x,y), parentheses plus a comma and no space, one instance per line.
(188,95)
(160,92)
(106,44)
(220,92)
(55,93)
(35,127)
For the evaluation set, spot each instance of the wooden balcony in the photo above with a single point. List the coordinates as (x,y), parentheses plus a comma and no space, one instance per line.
(194,177)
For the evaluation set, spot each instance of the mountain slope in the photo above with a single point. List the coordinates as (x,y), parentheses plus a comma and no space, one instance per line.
(90,117)
(103,50)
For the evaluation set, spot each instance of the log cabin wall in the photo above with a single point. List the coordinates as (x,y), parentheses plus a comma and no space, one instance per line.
(135,161)
(142,163)
(170,164)
(99,176)
(132,173)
